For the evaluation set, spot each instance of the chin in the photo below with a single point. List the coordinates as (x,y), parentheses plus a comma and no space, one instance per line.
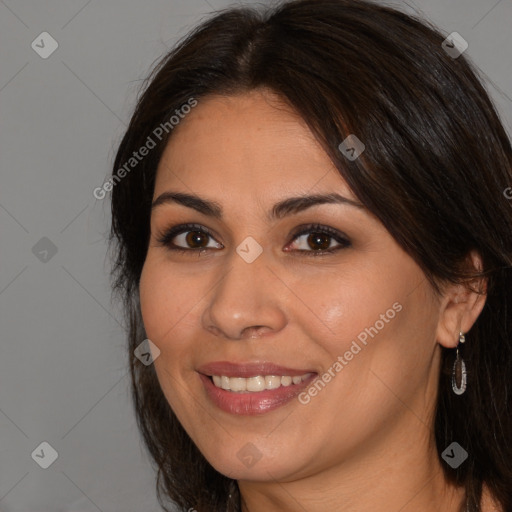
(253,464)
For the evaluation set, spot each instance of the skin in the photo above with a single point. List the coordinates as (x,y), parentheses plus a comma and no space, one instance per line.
(365,442)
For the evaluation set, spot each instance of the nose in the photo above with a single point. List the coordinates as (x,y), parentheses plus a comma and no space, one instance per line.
(247,302)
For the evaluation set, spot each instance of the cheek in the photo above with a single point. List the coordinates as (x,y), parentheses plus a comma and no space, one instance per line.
(152,300)
(160,315)
(164,306)
(384,359)
(349,305)
(381,326)
(164,299)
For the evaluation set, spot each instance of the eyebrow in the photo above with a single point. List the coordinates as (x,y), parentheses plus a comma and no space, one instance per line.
(289,206)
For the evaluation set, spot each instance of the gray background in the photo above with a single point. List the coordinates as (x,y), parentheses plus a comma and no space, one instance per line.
(63,367)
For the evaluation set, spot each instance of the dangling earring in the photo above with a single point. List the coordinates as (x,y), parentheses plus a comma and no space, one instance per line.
(459,379)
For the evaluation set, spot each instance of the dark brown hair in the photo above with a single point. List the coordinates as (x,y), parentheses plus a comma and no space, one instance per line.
(434,171)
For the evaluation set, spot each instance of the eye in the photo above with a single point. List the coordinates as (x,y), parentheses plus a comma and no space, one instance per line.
(318,241)
(194,235)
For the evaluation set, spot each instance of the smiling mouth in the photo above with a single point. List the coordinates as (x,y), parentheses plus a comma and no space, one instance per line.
(252,388)
(249,396)
(257,383)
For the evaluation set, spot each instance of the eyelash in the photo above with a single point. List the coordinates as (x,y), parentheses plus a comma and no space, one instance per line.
(164,238)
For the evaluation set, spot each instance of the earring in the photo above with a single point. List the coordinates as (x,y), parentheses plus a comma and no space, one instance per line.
(459,379)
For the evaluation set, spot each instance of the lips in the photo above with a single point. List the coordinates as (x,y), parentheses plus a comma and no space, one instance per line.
(255,400)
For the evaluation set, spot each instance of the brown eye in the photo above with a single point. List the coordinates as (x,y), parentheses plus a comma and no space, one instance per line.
(196,239)
(317,240)
(188,238)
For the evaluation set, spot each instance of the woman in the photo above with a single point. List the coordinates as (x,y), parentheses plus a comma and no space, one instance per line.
(316,239)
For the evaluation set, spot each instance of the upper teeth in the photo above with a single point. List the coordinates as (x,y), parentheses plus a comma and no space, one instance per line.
(258,383)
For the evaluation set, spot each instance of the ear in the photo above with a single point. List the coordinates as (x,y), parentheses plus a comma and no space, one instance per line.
(460,306)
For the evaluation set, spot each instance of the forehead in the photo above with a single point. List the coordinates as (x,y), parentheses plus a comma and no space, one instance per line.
(251,145)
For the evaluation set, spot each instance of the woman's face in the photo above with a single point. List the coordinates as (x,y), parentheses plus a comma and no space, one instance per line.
(264,300)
